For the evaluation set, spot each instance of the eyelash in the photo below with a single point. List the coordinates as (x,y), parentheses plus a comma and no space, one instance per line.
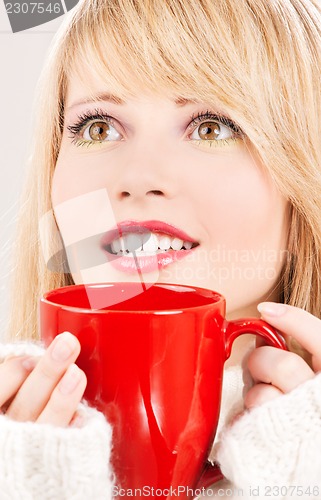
(81,123)
(208,115)
(89,116)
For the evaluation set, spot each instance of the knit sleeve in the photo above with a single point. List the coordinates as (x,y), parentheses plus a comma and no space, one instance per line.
(40,461)
(20,349)
(277,445)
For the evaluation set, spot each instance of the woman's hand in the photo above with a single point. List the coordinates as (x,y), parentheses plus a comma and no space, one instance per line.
(47,390)
(277,372)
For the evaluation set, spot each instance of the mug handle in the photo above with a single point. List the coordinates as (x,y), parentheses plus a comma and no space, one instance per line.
(210,475)
(231,330)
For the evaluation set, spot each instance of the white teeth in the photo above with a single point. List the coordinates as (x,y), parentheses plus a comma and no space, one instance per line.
(165,242)
(151,245)
(177,244)
(117,245)
(133,242)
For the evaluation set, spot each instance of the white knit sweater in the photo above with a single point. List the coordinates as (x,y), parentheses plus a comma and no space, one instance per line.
(273,451)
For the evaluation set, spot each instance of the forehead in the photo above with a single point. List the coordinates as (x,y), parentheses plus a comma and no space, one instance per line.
(78,87)
(93,89)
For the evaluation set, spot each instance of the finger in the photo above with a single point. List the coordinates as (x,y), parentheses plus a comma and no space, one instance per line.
(283,369)
(65,398)
(35,392)
(259,394)
(299,324)
(13,372)
(78,420)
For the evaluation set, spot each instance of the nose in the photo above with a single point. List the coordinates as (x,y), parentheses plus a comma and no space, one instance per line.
(134,192)
(144,178)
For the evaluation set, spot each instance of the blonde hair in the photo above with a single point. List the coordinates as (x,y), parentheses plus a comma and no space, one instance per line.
(258,60)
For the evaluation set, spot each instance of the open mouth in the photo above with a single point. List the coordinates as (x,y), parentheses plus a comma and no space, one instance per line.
(143,241)
(148,243)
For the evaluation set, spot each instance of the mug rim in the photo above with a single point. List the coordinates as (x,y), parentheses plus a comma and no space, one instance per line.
(45,299)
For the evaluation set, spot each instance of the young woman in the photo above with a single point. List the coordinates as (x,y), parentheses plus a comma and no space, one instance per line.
(195,118)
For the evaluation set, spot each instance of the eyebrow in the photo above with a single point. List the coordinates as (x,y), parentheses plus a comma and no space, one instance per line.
(180,101)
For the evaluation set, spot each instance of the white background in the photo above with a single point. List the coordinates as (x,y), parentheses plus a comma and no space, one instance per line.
(21,59)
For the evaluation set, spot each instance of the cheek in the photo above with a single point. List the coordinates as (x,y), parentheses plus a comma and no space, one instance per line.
(244,208)
(85,216)
(244,221)
(79,197)
(76,173)
(65,182)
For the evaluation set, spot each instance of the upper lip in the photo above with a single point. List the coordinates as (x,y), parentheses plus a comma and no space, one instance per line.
(141,227)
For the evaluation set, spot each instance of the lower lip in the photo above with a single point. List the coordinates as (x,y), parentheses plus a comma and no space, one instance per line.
(148,264)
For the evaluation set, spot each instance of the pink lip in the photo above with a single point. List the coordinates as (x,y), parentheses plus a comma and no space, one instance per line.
(132,265)
(143,227)
(148,264)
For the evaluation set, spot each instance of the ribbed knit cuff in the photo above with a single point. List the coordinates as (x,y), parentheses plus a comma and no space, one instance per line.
(42,462)
(277,443)
(20,349)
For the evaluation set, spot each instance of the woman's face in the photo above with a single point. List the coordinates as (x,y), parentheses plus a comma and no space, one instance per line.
(158,190)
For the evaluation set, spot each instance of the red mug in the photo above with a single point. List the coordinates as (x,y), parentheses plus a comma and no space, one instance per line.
(154,364)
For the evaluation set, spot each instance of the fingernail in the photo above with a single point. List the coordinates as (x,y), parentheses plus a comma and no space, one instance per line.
(64,346)
(29,363)
(70,380)
(272,309)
